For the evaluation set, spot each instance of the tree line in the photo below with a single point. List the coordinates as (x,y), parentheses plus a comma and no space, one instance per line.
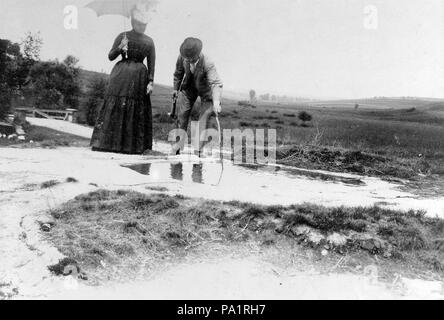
(26,81)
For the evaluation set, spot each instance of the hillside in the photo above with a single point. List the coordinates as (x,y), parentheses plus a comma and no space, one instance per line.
(380,103)
(432,104)
(87,77)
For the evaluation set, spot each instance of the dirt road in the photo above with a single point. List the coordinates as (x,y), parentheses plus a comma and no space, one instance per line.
(26,255)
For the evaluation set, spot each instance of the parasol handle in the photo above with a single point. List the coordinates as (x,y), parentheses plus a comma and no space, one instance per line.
(125,50)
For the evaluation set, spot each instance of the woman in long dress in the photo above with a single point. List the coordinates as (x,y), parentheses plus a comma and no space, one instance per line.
(124,123)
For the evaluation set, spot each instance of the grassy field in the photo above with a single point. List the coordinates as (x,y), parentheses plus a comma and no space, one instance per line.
(401,138)
(123,229)
(398,128)
(379,103)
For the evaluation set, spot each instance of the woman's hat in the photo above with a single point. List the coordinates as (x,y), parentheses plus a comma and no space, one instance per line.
(141,13)
(191,47)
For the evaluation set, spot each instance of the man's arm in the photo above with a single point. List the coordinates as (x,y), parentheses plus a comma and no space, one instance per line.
(214,80)
(179,73)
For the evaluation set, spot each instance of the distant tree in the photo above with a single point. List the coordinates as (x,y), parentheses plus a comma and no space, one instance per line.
(5,100)
(72,90)
(304,117)
(53,85)
(43,87)
(252,96)
(95,98)
(16,61)
(356,106)
(31,45)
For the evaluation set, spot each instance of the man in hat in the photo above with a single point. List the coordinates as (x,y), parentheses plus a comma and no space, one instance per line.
(196,76)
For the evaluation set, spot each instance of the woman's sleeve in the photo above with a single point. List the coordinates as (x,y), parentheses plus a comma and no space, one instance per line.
(115,51)
(151,61)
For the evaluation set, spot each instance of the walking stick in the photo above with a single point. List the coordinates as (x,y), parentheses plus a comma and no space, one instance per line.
(220,149)
(173,113)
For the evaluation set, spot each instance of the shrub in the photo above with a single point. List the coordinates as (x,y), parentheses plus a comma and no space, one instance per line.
(54,84)
(305,117)
(95,98)
(5,101)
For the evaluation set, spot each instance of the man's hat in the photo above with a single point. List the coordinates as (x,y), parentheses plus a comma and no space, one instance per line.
(191,47)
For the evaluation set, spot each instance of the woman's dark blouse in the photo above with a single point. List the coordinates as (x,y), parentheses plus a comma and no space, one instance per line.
(140,46)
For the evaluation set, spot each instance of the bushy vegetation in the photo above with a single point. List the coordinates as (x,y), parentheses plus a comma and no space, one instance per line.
(10,74)
(5,100)
(96,96)
(54,84)
(27,81)
(16,60)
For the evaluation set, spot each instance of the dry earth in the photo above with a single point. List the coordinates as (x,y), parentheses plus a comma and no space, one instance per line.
(242,272)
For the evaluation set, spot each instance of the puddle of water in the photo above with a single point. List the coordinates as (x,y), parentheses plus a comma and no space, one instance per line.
(209,173)
(271,185)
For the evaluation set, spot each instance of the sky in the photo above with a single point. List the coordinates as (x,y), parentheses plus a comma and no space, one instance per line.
(305,48)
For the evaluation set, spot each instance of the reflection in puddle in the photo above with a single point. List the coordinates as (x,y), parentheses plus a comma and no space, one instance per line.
(197,173)
(176,170)
(208,173)
(143,168)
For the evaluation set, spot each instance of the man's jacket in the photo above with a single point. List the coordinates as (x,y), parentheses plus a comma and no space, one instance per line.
(205,82)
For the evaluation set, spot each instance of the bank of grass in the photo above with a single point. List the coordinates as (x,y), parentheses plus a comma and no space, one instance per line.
(46,138)
(365,163)
(119,229)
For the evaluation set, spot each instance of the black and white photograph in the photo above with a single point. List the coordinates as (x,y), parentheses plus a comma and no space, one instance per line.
(222,150)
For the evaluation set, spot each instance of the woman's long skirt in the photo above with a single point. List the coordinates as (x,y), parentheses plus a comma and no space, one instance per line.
(124,123)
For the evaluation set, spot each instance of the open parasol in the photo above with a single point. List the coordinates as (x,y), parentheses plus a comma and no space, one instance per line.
(120,7)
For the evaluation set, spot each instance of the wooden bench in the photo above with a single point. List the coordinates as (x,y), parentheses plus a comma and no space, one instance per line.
(65,115)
